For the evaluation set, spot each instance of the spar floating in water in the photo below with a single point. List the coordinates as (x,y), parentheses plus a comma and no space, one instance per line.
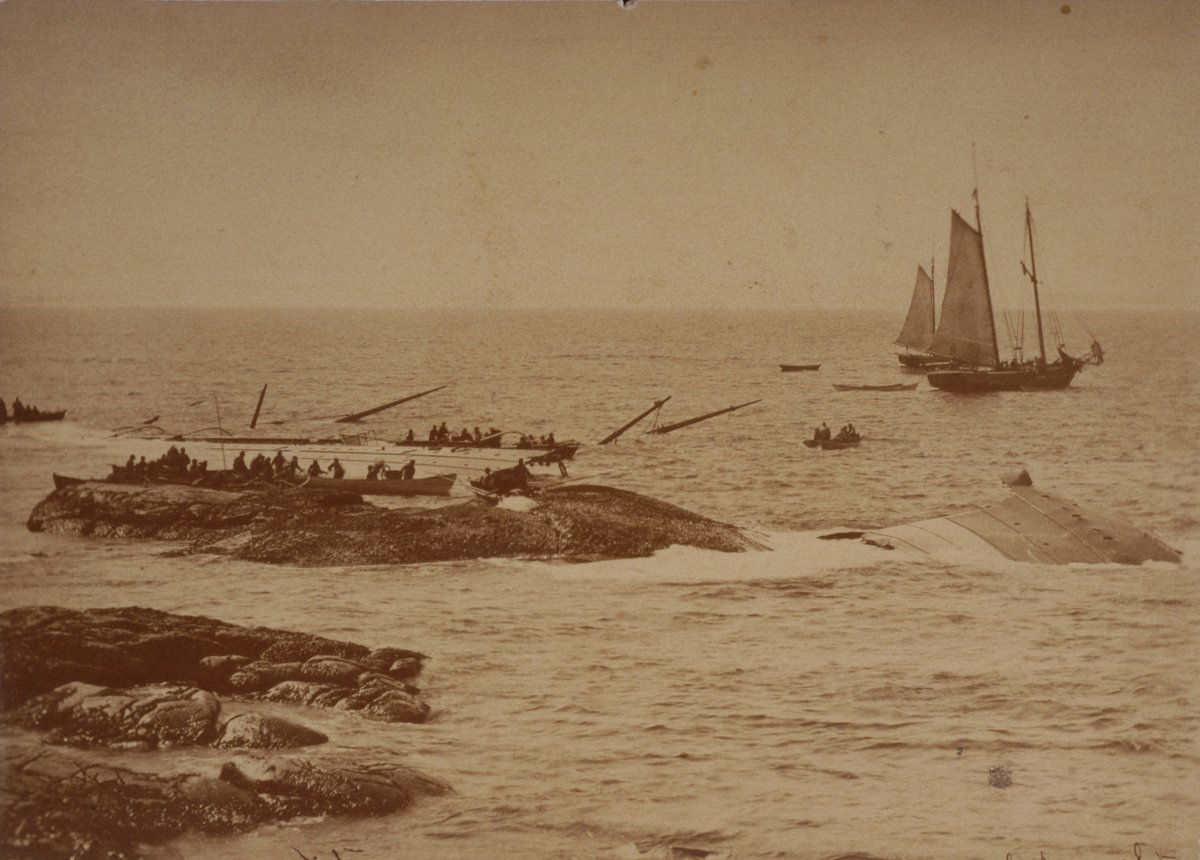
(614,435)
(679,425)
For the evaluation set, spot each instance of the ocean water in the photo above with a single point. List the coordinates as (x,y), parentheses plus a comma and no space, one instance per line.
(820,700)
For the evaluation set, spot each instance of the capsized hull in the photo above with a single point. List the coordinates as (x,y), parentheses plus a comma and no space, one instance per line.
(1030,525)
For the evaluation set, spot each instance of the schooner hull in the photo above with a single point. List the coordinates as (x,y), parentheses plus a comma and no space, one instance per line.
(917,361)
(982,381)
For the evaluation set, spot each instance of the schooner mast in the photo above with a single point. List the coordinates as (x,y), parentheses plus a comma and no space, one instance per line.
(1032,273)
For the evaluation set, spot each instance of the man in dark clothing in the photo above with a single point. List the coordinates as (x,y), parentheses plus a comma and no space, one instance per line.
(239,463)
(410,469)
(335,469)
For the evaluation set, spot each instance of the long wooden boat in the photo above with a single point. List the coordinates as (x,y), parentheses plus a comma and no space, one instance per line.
(61,482)
(899,386)
(436,485)
(566,450)
(792,368)
(831,444)
(27,418)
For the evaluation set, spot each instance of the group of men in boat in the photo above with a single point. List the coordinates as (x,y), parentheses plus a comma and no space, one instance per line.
(504,481)
(824,434)
(20,412)
(441,433)
(176,463)
(285,469)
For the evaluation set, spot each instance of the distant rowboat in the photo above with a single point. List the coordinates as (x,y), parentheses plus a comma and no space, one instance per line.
(792,368)
(832,444)
(899,386)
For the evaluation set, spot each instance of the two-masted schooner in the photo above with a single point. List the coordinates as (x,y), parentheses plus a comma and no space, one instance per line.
(966,334)
(919,327)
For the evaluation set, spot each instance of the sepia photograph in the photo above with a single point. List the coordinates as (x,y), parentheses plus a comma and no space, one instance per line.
(599,430)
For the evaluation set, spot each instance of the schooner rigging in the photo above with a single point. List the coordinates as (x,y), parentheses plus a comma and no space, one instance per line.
(967,331)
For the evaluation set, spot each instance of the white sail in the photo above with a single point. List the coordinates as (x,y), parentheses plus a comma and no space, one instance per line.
(917,332)
(967,331)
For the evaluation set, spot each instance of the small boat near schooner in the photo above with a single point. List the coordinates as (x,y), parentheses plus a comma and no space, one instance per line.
(793,368)
(967,331)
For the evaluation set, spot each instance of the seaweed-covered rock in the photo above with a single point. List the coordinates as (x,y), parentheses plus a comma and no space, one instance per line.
(166,671)
(145,717)
(300,528)
(43,648)
(58,807)
(257,731)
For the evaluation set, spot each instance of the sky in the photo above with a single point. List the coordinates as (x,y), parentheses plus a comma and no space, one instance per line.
(673,154)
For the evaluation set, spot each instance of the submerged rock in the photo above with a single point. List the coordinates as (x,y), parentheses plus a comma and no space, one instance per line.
(302,528)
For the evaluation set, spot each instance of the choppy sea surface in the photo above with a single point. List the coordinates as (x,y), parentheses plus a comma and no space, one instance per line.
(820,700)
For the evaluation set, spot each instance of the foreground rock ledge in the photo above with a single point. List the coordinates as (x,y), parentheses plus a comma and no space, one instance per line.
(135,679)
(315,529)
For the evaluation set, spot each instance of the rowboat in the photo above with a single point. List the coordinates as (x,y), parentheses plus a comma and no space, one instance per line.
(33,417)
(792,368)
(436,485)
(566,450)
(831,444)
(62,481)
(899,386)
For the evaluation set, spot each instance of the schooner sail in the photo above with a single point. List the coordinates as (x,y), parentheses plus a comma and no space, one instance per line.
(917,332)
(967,331)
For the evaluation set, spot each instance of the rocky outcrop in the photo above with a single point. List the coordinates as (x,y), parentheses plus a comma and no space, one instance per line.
(42,648)
(311,528)
(140,679)
(153,717)
(58,806)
